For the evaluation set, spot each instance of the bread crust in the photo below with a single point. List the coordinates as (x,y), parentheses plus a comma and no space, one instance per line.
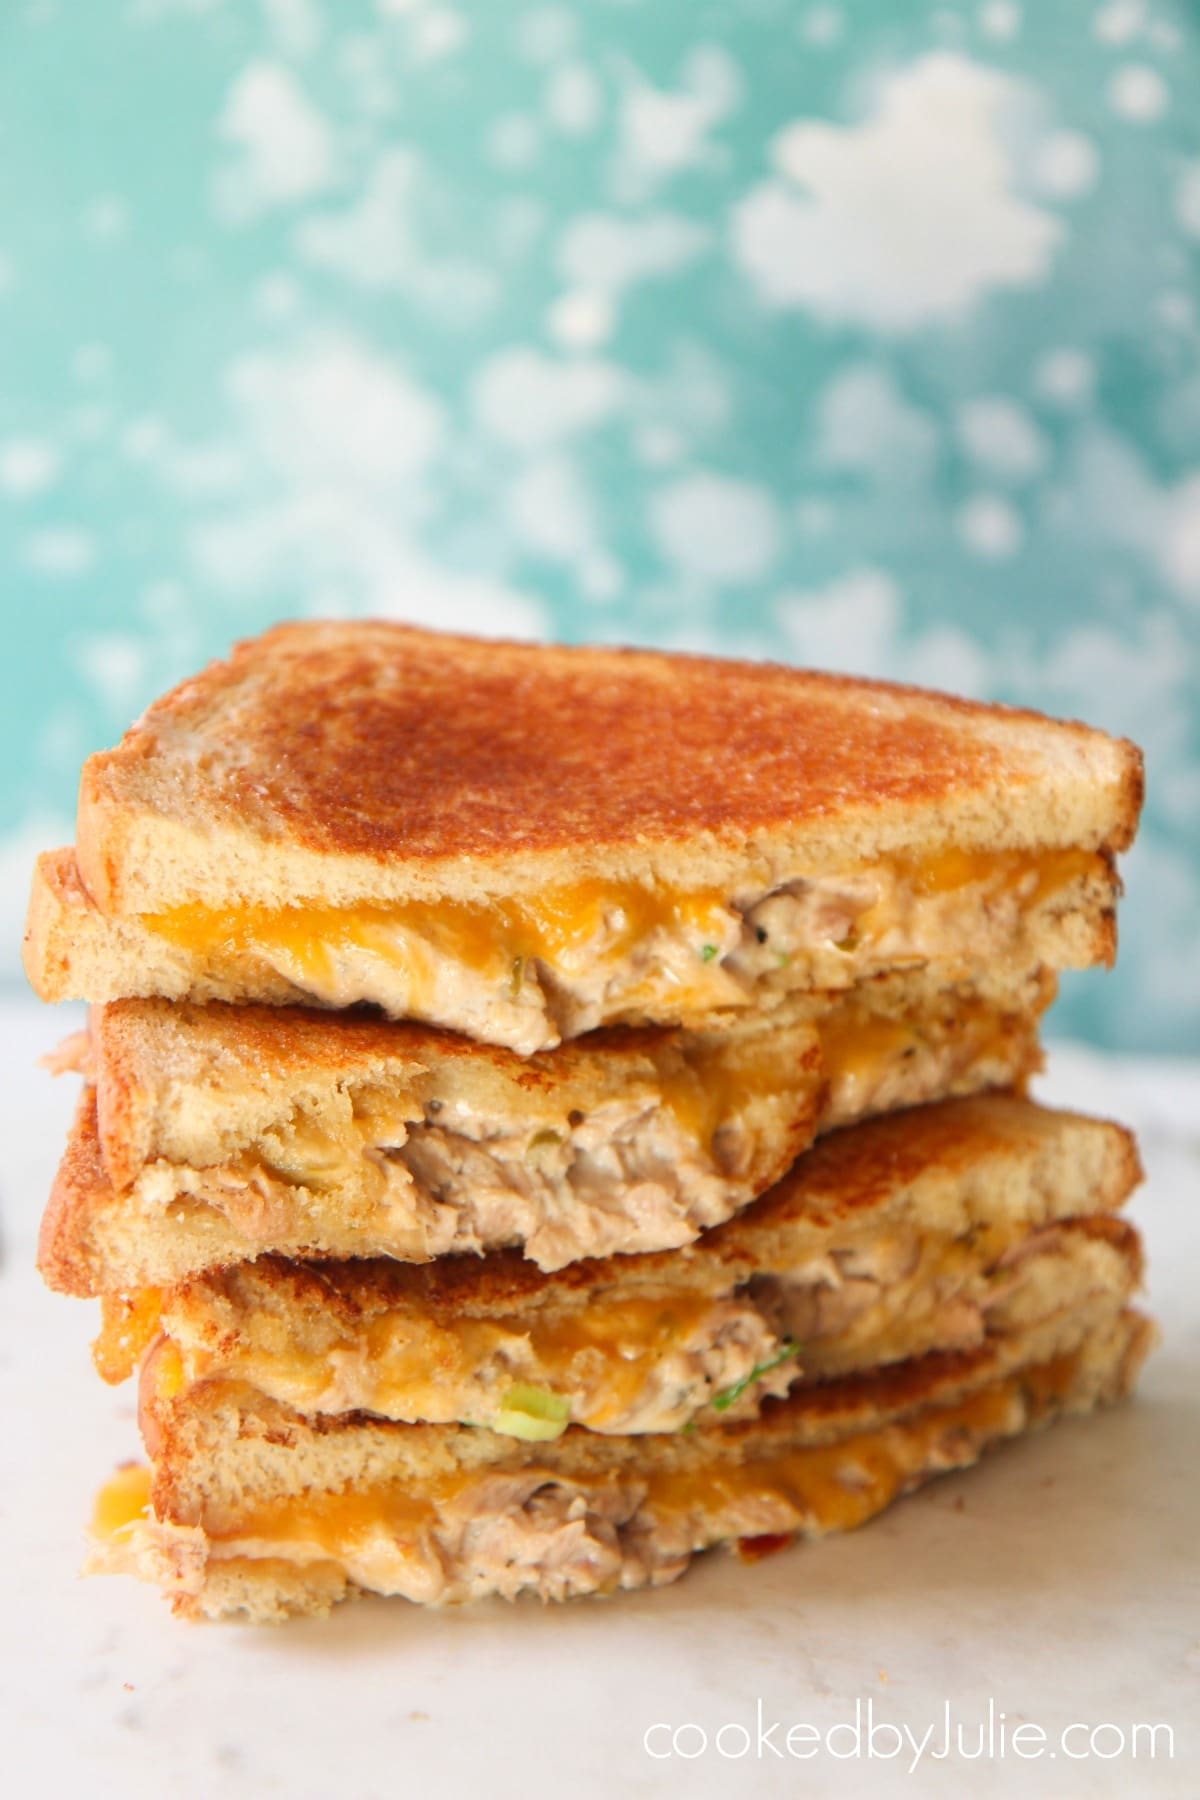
(373,763)
(66,1256)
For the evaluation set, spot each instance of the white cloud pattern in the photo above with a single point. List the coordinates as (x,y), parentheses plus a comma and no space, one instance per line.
(905,220)
(284,144)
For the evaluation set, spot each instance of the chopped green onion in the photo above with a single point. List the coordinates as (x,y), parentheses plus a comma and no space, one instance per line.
(725,1399)
(543,1139)
(532,1413)
(707,952)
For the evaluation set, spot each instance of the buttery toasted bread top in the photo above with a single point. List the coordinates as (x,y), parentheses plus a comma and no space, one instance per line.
(372,762)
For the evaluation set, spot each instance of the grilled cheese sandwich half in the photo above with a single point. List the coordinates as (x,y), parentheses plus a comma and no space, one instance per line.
(526,843)
(929,1230)
(252,1510)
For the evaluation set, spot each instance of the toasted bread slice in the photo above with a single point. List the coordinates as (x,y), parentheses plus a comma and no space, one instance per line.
(525,843)
(351,763)
(927,1230)
(256,1511)
(215,1134)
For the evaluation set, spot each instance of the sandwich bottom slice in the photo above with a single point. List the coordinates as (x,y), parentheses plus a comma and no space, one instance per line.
(253,1510)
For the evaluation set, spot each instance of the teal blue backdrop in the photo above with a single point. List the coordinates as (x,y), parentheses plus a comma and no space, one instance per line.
(859,334)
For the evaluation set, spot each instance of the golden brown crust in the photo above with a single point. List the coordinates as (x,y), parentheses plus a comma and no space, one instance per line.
(851,1170)
(393,746)
(65,1255)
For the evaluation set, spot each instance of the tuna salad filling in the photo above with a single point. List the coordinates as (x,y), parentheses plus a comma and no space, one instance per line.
(528,977)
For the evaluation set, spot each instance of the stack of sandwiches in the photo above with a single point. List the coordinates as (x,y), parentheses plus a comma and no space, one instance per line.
(546,1112)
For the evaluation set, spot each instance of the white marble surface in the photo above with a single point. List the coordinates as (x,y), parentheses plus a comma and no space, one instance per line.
(1060,1581)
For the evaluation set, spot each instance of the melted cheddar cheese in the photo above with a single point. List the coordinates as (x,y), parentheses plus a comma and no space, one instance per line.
(338,1522)
(405,1366)
(855,1048)
(495,938)
(711,1084)
(129,1324)
(592,918)
(124,1498)
(954,868)
(835,1487)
